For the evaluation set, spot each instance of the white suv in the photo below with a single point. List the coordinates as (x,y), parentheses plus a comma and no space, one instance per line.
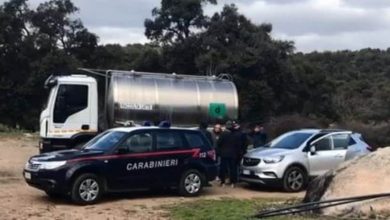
(292,158)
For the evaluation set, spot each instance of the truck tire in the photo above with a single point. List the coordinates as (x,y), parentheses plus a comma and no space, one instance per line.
(86,189)
(45,148)
(191,183)
(294,179)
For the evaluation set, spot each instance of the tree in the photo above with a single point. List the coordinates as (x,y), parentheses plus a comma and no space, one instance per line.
(33,45)
(175,26)
(233,44)
(57,30)
(16,52)
(175,19)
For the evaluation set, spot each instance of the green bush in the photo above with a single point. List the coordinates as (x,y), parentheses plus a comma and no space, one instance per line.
(7,129)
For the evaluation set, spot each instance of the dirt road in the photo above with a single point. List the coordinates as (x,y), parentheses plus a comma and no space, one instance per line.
(19,201)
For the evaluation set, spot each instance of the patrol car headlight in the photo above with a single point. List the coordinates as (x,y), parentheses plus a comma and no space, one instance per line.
(275,159)
(49,165)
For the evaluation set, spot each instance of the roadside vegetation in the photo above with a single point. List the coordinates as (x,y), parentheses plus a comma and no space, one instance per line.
(229,209)
(7,131)
(16,133)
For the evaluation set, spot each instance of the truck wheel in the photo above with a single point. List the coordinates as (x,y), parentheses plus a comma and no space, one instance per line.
(191,183)
(294,179)
(86,189)
(44,148)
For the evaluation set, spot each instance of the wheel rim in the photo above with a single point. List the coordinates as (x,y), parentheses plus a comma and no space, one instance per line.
(89,190)
(295,180)
(192,183)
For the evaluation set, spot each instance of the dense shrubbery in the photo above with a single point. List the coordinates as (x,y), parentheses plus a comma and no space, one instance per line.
(375,134)
(279,125)
(7,129)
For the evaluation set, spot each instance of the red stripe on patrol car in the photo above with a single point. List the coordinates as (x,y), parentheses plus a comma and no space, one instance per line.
(195,153)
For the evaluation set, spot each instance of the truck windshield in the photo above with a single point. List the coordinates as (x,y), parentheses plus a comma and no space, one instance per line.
(105,141)
(290,140)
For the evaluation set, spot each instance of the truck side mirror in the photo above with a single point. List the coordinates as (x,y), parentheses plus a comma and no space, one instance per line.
(313,150)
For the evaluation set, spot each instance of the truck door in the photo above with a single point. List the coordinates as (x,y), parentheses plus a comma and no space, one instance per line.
(72,111)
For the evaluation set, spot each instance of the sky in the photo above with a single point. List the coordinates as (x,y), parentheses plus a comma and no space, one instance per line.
(314,25)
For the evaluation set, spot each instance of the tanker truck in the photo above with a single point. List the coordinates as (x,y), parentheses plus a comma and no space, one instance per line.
(81,106)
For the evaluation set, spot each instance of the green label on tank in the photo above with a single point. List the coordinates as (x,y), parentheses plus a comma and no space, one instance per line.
(217,110)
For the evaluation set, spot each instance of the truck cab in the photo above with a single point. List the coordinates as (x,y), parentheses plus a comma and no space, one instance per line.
(70,116)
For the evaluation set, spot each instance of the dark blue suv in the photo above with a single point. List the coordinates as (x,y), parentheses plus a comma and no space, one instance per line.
(123,159)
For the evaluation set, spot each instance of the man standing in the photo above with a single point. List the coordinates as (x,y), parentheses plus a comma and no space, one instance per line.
(231,147)
(216,133)
(259,137)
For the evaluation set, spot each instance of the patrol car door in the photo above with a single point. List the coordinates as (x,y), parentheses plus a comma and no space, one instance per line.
(170,148)
(129,168)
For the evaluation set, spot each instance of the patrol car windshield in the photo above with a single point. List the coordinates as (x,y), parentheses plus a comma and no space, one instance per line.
(105,141)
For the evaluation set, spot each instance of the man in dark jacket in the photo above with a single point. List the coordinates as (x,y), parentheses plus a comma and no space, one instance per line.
(259,137)
(216,133)
(231,146)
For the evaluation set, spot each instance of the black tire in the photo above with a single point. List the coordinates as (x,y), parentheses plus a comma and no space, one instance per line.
(86,189)
(191,183)
(45,148)
(294,179)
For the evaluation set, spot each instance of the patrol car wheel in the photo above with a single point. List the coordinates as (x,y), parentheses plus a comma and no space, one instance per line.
(191,183)
(86,189)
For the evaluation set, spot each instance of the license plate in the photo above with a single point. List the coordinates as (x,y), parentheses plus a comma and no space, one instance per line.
(246,172)
(27,175)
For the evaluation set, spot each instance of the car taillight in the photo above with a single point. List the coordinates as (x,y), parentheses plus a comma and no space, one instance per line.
(212,154)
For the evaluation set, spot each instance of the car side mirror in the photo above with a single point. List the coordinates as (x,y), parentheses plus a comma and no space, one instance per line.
(313,150)
(122,150)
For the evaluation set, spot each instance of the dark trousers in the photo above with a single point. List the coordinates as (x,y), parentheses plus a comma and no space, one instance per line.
(228,165)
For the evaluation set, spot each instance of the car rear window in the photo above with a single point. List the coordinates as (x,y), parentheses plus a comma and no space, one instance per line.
(195,140)
(168,140)
(351,141)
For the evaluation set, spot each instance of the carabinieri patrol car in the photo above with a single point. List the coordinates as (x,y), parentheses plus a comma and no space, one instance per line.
(122,159)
